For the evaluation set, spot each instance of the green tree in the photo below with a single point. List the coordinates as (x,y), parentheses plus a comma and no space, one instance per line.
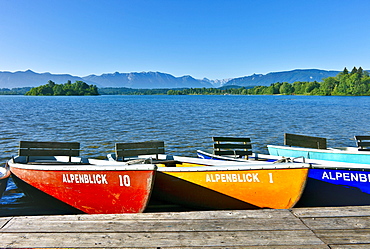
(327,86)
(311,86)
(299,87)
(286,88)
(345,70)
(360,71)
(51,83)
(276,87)
(58,90)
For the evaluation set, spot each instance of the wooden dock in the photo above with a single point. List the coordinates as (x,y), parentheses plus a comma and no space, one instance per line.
(343,227)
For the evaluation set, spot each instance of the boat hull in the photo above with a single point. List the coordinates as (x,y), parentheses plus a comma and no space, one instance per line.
(329,183)
(230,187)
(338,155)
(336,187)
(92,190)
(4,176)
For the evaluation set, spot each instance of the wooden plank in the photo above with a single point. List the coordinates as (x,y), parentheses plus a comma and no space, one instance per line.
(363,142)
(133,153)
(60,145)
(182,216)
(231,139)
(160,239)
(332,212)
(341,223)
(344,237)
(304,141)
(30,148)
(352,246)
(230,152)
(140,148)
(362,137)
(233,146)
(138,145)
(212,225)
(33,152)
(4,221)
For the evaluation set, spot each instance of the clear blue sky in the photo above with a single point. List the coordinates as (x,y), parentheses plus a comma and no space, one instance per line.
(216,39)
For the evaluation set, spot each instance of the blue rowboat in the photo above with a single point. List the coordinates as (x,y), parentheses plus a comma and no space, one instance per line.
(328,186)
(298,145)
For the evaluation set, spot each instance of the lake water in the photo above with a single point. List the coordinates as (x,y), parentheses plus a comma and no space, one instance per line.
(185,123)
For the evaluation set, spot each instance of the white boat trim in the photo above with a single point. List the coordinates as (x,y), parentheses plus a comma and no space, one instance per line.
(336,150)
(94,165)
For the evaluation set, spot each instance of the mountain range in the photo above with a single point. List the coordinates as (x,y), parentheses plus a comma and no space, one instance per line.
(152,80)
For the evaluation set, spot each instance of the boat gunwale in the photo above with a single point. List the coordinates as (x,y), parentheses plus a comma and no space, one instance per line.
(315,163)
(208,168)
(329,150)
(76,166)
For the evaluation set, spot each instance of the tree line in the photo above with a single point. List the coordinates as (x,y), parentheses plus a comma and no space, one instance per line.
(354,83)
(68,89)
(14,91)
(132,91)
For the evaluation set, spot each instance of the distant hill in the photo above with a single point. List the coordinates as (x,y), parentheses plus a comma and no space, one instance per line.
(308,75)
(147,80)
(154,80)
(131,80)
(31,79)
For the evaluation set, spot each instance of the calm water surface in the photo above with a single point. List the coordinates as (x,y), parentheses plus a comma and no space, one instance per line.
(185,123)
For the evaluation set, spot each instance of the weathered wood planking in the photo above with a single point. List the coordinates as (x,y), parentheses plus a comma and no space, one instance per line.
(231,229)
(194,215)
(4,221)
(160,239)
(332,212)
(20,225)
(340,227)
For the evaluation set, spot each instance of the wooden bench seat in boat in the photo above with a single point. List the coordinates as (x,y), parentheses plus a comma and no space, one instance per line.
(42,149)
(232,146)
(125,151)
(304,141)
(363,143)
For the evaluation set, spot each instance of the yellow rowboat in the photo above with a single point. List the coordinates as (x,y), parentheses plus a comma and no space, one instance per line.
(212,184)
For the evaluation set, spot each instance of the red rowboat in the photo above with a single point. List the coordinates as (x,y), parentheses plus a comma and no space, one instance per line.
(89,186)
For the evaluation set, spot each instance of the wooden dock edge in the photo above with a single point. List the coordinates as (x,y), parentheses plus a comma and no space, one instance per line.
(331,227)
